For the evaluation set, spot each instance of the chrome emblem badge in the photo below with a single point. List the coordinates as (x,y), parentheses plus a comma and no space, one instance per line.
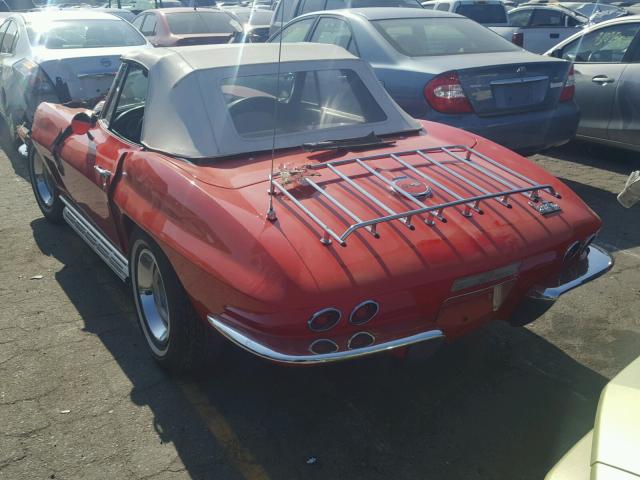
(522,69)
(415,188)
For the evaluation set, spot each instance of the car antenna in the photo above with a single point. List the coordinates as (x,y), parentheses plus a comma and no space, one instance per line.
(271,213)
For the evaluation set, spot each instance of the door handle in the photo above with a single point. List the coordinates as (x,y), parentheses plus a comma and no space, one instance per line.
(602,79)
(104,175)
(103,172)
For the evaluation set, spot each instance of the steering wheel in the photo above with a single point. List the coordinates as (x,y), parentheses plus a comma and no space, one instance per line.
(251,114)
(129,123)
(252,104)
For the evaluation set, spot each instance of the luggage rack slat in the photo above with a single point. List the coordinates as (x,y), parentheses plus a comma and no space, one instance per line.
(366,194)
(460,154)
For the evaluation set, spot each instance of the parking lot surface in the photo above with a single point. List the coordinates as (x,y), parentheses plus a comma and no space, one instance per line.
(81,399)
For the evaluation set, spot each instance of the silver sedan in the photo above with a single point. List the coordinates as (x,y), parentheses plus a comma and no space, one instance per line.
(606,60)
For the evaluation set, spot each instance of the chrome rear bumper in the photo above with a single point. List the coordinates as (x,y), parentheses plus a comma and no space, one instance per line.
(541,298)
(263,351)
(597,263)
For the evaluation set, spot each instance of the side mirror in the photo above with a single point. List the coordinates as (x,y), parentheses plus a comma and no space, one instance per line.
(81,123)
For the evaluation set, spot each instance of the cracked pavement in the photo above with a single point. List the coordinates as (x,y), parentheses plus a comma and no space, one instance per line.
(81,399)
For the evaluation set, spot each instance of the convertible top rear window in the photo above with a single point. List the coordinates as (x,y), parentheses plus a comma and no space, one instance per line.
(417,37)
(83,33)
(306,100)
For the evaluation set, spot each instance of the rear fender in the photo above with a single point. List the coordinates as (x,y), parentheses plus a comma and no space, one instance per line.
(211,240)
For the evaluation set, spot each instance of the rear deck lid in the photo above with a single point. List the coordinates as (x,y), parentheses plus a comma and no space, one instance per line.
(514,85)
(81,74)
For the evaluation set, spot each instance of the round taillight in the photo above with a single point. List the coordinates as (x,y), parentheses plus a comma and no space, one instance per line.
(360,340)
(571,252)
(364,312)
(324,319)
(323,346)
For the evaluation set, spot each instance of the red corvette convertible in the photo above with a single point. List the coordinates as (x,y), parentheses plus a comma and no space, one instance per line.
(375,232)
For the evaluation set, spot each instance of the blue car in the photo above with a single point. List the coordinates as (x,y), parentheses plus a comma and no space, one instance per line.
(447,68)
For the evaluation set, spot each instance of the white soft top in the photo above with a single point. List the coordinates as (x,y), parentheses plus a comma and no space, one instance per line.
(185,112)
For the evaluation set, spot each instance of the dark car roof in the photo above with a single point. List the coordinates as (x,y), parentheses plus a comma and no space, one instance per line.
(383,13)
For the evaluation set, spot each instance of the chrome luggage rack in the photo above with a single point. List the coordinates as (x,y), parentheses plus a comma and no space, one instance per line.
(457,154)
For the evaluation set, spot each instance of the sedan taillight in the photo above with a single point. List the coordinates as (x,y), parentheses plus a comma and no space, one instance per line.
(445,94)
(569,87)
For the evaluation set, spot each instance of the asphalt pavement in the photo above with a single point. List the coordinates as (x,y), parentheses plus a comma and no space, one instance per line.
(81,399)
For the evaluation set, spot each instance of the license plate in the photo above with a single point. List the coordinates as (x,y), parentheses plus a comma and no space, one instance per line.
(518,94)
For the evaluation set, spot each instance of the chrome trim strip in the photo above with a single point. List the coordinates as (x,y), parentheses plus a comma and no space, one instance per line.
(519,80)
(489,276)
(320,312)
(100,244)
(263,351)
(598,261)
(362,304)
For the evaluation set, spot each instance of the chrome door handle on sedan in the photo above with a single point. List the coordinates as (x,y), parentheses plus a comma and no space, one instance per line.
(602,79)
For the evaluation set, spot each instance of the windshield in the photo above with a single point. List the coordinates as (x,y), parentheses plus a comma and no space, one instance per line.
(307,100)
(185,23)
(589,9)
(484,13)
(383,3)
(84,33)
(255,17)
(17,5)
(417,37)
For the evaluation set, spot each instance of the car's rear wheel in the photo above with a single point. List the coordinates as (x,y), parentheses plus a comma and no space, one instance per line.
(176,337)
(44,187)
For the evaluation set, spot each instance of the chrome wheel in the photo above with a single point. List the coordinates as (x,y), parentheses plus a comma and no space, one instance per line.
(152,301)
(43,181)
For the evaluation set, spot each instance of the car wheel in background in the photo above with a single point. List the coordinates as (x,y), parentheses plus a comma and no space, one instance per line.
(177,339)
(44,187)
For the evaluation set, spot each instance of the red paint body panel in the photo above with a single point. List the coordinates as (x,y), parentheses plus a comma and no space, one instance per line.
(266,279)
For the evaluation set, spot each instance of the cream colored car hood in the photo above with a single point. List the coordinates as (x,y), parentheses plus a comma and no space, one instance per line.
(616,433)
(612,450)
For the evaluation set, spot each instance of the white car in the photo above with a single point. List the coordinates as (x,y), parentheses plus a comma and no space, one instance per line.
(538,27)
(486,12)
(59,56)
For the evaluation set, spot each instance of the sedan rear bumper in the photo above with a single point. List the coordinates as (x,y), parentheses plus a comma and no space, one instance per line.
(527,132)
(435,337)
(539,299)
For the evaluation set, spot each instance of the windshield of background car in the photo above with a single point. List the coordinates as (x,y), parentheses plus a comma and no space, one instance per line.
(185,23)
(20,5)
(604,45)
(308,100)
(379,3)
(416,37)
(255,17)
(83,33)
(483,13)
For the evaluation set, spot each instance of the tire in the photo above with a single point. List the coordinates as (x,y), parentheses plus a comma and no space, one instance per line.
(44,188)
(177,339)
